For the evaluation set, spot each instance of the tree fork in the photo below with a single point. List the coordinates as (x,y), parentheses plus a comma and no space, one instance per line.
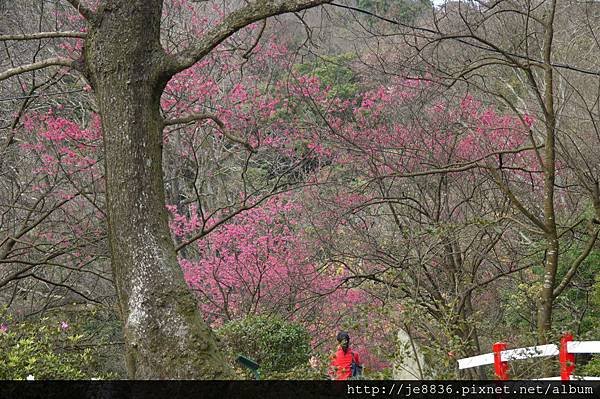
(164,333)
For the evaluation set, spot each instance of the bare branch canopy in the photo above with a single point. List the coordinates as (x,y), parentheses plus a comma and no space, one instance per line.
(252,12)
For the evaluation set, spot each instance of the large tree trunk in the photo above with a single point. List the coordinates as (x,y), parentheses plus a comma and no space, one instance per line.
(165,335)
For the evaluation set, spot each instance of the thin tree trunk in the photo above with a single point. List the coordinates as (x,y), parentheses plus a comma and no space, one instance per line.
(551,266)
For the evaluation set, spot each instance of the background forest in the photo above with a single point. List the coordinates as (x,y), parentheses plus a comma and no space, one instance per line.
(392,168)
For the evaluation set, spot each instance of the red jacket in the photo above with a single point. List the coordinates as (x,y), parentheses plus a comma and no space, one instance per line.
(341,364)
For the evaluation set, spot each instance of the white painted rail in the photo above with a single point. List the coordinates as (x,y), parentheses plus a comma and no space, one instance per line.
(584,378)
(529,352)
(583,347)
(510,354)
(566,354)
(475,361)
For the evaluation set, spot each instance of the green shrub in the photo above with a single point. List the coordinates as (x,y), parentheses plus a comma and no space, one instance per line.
(591,369)
(277,345)
(334,72)
(45,349)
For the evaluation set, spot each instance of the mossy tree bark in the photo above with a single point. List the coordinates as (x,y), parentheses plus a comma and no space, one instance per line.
(164,334)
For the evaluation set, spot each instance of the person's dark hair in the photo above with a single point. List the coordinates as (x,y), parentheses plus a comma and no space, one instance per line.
(343,335)
(344,340)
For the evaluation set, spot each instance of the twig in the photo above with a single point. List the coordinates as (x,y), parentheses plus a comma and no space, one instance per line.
(200,117)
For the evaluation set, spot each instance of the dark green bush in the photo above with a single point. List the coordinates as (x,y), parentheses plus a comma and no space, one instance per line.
(277,345)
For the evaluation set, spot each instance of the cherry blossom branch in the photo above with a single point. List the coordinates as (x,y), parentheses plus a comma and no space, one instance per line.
(82,9)
(214,118)
(252,12)
(245,207)
(43,35)
(59,61)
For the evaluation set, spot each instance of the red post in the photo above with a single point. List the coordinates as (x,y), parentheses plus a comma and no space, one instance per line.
(567,360)
(500,367)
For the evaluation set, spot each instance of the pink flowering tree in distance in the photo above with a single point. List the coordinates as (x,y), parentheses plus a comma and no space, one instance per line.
(260,260)
(416,212)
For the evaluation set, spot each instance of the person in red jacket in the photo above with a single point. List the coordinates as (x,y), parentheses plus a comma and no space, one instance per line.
(341,364)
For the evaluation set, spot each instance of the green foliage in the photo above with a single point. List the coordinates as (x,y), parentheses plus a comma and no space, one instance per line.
(279,346)
(596,292)
(45,349)
(591,369)
(577,309)
(333,72)
(521,304)
(102,330)
(510,88)
(574,310)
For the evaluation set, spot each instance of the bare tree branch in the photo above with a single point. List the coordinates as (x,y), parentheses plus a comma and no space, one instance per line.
(461,167)
(69,288)
(518,204)
(438,35)
(246,55)
(250,13)
(59,61)
(43,35)
(214,118)
(576,263)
